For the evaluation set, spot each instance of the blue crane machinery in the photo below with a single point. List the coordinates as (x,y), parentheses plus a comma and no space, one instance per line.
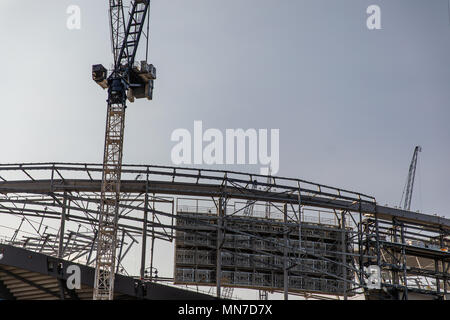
(408,190)
(127,81)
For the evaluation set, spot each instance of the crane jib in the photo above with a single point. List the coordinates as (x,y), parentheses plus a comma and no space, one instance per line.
(133,32)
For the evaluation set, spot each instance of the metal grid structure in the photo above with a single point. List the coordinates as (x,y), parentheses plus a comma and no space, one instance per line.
(59,205)
(110,195)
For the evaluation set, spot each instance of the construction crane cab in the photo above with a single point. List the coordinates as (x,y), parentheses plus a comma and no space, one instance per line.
(140,86)
(117,88)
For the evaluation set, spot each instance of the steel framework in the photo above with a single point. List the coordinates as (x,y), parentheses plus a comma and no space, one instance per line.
(56,206)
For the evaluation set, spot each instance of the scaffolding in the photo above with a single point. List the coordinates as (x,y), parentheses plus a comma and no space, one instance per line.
(258,258)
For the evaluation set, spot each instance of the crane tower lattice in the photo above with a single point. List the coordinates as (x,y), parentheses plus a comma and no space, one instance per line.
(126,82)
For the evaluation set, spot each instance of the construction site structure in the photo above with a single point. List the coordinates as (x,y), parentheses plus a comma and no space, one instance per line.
(387,253)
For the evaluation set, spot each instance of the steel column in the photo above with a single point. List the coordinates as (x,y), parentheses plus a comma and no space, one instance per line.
(144,233)
(285,258)
(62,228)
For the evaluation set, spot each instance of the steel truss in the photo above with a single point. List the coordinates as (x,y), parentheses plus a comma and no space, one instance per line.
(57,205)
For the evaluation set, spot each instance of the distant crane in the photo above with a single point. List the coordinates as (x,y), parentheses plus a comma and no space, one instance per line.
(408,190)
(126,81)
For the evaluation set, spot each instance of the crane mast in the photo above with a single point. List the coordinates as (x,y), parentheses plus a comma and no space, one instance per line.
(126,82)
(408,190)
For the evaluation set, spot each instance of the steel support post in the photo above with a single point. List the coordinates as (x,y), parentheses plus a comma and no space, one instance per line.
(94,240)
(153,238)
(144,230)
(220,215)
(445,271)
(299,221)
(285,262)
(362,281)
(438,281)
(405,281)
(377,239)
(395,278)
(62,228)
(263,295)
(62,292)
(344,253)
(16,232)
(119,259)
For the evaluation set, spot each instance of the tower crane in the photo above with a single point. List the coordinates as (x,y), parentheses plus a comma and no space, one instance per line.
(408,190)
(127,81)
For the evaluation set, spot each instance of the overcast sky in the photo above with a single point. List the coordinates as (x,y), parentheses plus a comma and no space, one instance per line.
(350,103)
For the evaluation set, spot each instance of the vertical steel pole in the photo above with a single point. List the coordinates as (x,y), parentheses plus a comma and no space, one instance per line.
(144,230)
(219,247)
(405,281)
(377,238)
(299,221)
(62,228)
(119,259)
(394,258)
(344,253)
(445,271)
(438,281)
(153,238)
(285,263)
(360,247)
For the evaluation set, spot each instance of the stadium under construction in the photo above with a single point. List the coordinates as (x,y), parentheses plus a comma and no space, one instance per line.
(227,229)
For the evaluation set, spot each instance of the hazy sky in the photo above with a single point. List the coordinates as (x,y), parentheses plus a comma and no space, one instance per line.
(350,103)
